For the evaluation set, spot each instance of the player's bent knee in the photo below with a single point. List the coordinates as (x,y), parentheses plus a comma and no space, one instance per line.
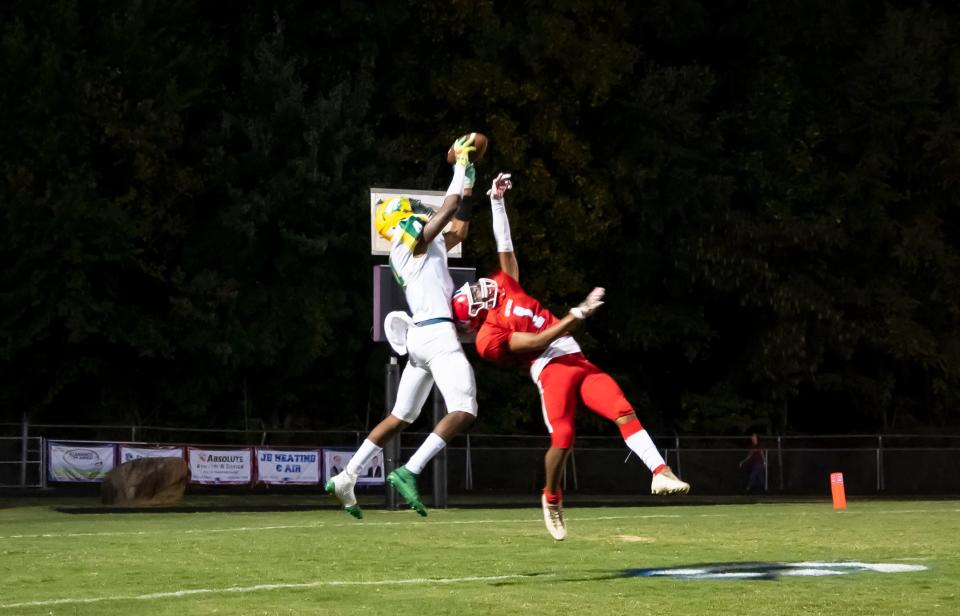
(463,400)
(464,417)
(561,438)
(629,425)
(407,415)
(469,409)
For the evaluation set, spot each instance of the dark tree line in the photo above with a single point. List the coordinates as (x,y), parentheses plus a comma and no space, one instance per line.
(767,190)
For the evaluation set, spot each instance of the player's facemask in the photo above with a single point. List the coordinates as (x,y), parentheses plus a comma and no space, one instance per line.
(394,210)
(472,301)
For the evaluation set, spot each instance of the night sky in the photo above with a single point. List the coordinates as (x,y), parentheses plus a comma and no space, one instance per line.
(768,192)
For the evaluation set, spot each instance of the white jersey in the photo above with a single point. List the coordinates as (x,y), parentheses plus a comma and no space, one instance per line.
(425,279)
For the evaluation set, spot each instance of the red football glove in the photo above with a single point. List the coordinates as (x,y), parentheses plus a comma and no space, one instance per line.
(501,184)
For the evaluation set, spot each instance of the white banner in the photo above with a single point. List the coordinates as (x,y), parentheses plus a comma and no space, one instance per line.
(432,198)
(288,466)
(220,465)
(79,461)
(128,453)
(334,461)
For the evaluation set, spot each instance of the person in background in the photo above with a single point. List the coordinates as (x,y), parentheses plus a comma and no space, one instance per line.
(756,462)
(336,465)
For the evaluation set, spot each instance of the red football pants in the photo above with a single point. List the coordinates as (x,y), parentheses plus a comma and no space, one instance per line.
(566,382)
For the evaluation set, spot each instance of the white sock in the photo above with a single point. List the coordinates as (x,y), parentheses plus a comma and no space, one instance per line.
(359,460)
(431,447)
(456,184)
(642,445)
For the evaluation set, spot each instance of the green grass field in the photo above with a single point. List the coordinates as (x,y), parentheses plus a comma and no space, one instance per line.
(475,561)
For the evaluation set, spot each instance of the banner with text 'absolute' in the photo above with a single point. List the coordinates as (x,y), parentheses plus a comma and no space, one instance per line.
(220,466)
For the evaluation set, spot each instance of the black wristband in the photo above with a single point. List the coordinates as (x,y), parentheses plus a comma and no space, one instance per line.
(465,211)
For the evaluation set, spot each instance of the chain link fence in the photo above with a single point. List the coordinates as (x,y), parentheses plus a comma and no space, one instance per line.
(795,464)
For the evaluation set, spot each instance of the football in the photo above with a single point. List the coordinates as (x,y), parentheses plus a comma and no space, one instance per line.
(480,141)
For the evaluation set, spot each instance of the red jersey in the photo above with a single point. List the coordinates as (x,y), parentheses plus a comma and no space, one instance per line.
(517,312)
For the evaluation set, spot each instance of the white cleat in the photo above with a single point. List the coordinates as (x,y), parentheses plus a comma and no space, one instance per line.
(341,485)
(665,482)
(553,518)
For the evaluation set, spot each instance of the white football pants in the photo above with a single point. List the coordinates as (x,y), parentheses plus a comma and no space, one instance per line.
(435,354)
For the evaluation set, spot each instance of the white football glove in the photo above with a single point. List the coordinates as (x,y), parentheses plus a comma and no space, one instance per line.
(501,184)
(589,305)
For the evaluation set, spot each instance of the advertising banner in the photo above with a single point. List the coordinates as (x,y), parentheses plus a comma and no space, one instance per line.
(334,460)
(128,452)
(288,466)
(220,466)
(79,461)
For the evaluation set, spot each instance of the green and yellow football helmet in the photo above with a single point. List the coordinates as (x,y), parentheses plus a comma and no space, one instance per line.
(392,211)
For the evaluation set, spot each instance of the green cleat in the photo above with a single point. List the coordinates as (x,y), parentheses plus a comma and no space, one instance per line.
(406,484)
(341,486)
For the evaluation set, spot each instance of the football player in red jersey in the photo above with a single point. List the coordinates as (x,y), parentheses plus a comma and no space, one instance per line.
(514,329)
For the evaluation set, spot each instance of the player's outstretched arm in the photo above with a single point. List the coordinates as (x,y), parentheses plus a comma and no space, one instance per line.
(461,222)
(437,222)
(458,230)
(501,225)
(523,342)
(463,148)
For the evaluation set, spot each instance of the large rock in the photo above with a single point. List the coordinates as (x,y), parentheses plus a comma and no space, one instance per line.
(146,482)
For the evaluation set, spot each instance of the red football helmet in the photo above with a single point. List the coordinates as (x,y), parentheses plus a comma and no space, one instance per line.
(472,301)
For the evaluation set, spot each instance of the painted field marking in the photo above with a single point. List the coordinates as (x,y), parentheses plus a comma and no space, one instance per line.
(241,529)
(772,570)
(189,531)
(264,587)
(906,511)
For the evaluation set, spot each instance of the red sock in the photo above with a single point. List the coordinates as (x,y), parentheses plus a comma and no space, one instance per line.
(553,497)
(659,469)
(630,428)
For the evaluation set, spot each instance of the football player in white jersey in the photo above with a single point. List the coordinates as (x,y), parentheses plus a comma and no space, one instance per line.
(418,259)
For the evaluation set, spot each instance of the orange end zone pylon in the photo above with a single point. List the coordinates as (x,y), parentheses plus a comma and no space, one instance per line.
(836,488)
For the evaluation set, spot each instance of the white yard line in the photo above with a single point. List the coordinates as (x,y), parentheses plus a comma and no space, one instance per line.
(262,587)
(189,531)
(434,522)
(905,511)
(244,529)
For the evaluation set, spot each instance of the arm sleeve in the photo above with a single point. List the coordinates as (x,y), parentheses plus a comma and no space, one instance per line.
(501,225)
(456,184)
